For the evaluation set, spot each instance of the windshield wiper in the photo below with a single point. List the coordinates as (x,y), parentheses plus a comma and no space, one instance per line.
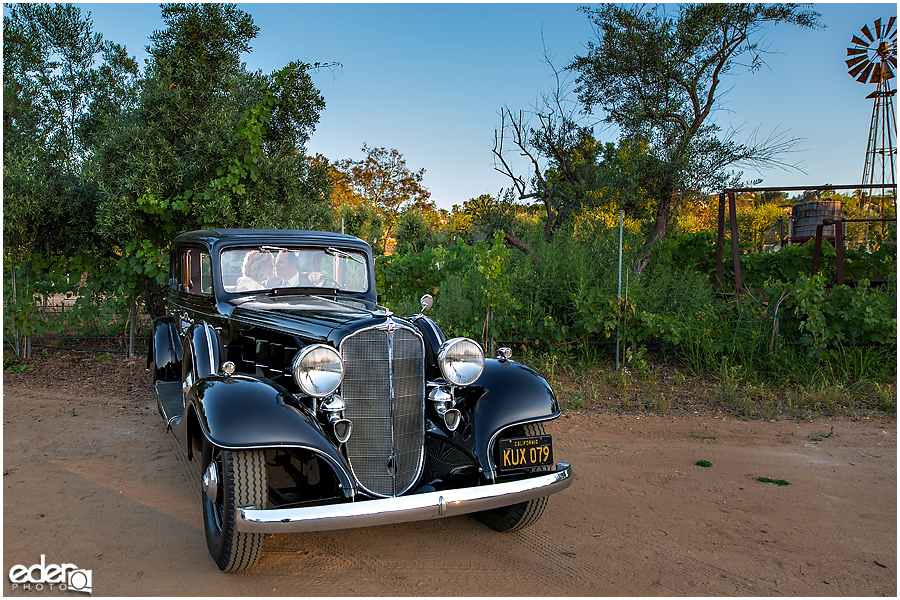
(342,254)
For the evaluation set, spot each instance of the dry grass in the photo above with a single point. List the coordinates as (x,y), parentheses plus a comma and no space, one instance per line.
(663,388)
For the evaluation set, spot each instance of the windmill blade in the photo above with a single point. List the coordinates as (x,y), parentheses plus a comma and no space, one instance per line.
(889,72)
(855,61)
(855,70)
(865,74)
(858,42)
(878,27)
(889,26)
(876,74)
(893,61)
(867,33)
(852,51)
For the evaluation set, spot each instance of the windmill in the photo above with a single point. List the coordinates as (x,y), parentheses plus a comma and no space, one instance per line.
(875,61)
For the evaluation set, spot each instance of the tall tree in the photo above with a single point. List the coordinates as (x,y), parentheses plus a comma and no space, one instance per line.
(561,157)
(657,76)
(57,72)
(208,144)
(567,167)
(384,180)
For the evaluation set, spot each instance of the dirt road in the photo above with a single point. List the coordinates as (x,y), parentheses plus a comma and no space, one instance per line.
(96,482)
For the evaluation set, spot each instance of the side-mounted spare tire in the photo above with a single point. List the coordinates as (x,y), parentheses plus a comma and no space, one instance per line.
(164,351)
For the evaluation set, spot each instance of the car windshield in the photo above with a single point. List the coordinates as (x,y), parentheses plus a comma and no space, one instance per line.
(267,267)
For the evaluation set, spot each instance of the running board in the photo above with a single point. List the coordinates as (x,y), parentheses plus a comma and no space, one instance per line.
(169,400)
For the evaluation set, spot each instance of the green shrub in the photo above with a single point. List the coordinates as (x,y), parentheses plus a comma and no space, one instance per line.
(816,333)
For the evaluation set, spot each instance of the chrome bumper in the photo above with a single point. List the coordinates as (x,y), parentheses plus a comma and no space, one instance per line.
(402,509)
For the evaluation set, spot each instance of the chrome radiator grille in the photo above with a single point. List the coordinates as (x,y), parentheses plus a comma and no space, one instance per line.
(384,393)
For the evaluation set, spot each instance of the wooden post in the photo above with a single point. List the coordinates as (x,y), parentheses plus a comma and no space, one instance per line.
(720,244)
(817,250)
(27,348)
(735,249)
(131,331)
(15,302)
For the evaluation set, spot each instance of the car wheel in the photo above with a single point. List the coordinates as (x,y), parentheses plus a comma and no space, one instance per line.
(521,515)
(232,478)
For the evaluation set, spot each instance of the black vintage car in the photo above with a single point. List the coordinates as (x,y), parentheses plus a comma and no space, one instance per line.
(311,407)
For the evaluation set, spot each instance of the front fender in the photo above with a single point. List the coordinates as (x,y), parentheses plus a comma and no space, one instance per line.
(507,394)
(241,412)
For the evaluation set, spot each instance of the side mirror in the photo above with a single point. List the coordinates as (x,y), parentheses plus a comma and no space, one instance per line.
(427,301)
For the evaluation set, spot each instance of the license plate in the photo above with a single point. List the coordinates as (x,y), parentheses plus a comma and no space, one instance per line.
(525,452)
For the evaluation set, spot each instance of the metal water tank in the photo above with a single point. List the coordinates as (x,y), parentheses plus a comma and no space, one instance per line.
(806,216)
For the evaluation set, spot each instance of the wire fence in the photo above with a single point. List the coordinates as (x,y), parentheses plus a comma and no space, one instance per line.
(74,328)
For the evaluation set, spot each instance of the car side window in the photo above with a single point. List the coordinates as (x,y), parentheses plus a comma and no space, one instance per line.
(205,274)
(195,273)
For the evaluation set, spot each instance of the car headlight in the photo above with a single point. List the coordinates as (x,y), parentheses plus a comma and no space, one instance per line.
(461,361)
(318,370)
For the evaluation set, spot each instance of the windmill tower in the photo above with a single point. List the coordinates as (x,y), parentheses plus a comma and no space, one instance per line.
(875,61)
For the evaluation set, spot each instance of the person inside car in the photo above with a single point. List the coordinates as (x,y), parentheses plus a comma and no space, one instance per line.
(287,270)
(287,267)
(257,269)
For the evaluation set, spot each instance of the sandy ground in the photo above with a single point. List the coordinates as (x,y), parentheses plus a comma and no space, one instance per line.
(96,482)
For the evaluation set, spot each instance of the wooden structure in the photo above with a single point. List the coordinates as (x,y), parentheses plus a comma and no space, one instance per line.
(729,196)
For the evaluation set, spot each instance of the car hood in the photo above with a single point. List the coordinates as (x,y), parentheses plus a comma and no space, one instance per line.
(306,315)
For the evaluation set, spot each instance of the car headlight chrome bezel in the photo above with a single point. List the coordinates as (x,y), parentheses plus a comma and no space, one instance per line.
(318,370)
(461,361)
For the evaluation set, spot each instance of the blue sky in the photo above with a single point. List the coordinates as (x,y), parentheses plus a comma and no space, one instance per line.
(430,80)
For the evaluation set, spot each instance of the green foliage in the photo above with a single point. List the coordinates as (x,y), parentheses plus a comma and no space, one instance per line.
(15,366)
(703,435)
(780,482)
(384,181)
(789,264)
(818,437)
(363,221)
(655,73)
(826,321)
(194,141)
(819,333)
(755,221)
(35,284)
(198,141)
(403,277)
(57,73)
(413,229)
(207,145)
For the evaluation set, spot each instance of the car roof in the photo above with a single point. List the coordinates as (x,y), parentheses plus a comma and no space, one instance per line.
(218,238)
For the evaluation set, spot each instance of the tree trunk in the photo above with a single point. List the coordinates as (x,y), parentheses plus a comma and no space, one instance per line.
(516,242)
(550,225)
(663,218)
(155,299)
